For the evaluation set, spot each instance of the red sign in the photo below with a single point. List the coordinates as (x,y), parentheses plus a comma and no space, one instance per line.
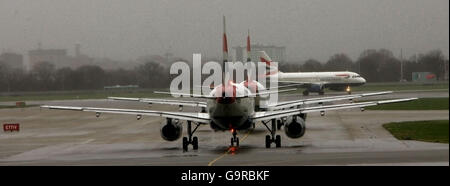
(11,127)
(430,76)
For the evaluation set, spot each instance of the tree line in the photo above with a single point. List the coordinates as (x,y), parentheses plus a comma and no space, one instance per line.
(374,65)
(43,77)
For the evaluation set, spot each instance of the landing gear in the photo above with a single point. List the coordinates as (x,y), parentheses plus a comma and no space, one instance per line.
(190,140)
(348,90)
(305,93)
(234,139)
(278,141)
(195,143)
(272,138)
(321,92)
(279,124)
(185,143)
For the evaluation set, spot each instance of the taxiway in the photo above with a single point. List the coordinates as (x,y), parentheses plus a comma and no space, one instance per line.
(348,137)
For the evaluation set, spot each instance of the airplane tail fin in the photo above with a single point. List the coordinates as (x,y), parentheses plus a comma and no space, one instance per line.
(248,75)
(224,50)
(224,43)
(263,57)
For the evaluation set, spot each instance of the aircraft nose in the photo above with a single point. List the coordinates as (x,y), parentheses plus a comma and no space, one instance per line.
(363,80)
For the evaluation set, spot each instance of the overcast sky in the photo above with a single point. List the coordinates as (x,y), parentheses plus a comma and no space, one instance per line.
(124,30)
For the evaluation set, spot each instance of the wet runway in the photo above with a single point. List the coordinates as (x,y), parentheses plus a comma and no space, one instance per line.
(348,137)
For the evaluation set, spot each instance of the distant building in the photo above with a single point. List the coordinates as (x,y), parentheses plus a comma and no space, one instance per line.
(12,60)
(59,57)
(278,54)
(54,56)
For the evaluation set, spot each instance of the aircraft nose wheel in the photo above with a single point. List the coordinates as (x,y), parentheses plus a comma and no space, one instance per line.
(234,139)
(273,138)
(305,93)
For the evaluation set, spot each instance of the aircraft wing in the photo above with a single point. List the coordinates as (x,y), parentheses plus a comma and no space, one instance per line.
(183,94)
(196,117)
(295,103)
(275,87)
(267,92)
(162,101)
(267,115)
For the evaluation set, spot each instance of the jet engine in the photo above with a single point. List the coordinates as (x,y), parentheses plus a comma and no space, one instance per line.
(172,130)
(295,127)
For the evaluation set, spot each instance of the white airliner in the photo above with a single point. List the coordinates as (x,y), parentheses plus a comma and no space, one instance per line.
(236,112)
(316,81)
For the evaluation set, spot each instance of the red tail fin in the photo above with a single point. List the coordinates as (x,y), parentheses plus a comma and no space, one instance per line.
(225,53)
(263,57)
(224,42)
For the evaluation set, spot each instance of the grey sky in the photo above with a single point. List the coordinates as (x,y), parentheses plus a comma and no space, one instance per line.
(124,30)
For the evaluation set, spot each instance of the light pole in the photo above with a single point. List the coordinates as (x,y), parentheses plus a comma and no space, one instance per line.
(401,65)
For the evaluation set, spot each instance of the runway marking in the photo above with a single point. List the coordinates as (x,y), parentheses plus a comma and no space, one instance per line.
(430,90)
(228,151)
(86,142)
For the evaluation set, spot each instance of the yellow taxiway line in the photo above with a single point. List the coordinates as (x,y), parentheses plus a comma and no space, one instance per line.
(228,151)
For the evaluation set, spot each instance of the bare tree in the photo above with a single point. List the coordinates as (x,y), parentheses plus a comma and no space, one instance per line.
(339,62)
(312,65)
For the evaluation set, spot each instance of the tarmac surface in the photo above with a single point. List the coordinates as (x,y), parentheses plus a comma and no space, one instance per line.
(347,137)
